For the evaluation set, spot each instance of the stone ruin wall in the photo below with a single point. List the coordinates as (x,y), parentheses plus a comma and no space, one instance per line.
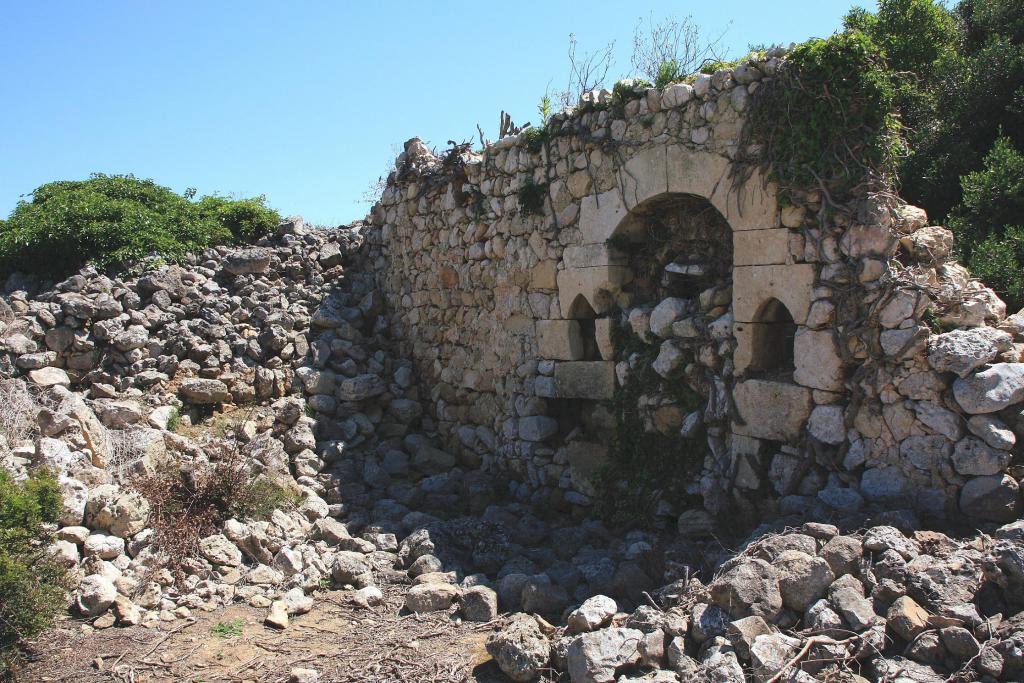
(820,386)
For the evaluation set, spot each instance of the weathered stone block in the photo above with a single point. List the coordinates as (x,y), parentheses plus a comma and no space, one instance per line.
(760,247)
(600,215)
(771,410)
(603,333)
(543,275)
(597,285)
(645,176)
(749,206)
(818,364)
(591,255)
(559,340)
(585,379)
(537,427)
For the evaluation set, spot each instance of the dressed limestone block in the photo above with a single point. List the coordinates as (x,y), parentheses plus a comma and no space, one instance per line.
(771,410)
(818,364)
(600,216)
(586,462)
(559,340)
(760,247)
(590,255)
(597,285)
(752,286)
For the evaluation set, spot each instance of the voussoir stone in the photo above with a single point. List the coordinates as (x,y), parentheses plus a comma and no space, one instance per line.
(479,603)
(803,578)
(995,498)
(245,261)
(594,613)
(596,657)
(350,567)
(431,597)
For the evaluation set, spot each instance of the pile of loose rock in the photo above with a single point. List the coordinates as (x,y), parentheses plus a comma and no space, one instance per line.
(278,352)
(803,605)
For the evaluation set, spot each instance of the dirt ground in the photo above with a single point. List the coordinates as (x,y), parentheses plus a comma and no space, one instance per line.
(341,641)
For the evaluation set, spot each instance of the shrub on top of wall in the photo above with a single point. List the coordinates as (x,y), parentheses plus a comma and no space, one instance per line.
(829,117)
(117,220)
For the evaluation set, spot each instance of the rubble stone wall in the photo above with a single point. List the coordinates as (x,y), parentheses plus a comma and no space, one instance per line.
(512,276)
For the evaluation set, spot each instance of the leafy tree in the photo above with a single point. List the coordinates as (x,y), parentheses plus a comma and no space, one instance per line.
(917,36)
(960,97)
(976,96)
(994,196)
(997,261)
(246,220)
(989,222)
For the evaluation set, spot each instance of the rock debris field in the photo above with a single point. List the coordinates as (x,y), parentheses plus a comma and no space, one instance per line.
(387,559)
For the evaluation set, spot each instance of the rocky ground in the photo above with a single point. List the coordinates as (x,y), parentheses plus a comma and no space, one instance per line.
(233,643)
(393,559)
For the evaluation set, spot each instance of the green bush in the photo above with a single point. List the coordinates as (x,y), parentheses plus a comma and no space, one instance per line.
(992,197)
(960,96)
(997,261)
(975,96)
(917,36)
(246,220)
(988,221)
(32,583)
(117,220)
(669,71)
(828,117)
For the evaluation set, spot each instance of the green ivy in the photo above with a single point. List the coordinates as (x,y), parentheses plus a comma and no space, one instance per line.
(828,116)
(532,196)
(640,462)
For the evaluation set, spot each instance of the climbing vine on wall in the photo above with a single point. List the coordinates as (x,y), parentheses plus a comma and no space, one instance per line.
(827,120)
(644,466)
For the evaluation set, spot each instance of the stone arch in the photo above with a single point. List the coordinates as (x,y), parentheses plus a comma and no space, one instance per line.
(676,245)
(598,271)
(774,334)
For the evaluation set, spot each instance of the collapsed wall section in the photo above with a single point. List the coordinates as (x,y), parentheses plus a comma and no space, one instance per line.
(622,265)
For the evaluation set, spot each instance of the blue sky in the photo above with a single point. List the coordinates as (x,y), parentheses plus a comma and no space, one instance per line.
(305,102)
